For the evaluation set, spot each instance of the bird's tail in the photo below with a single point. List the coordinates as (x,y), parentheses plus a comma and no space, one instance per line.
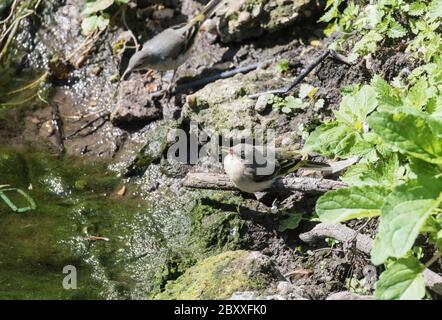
(299,160)
(206,12)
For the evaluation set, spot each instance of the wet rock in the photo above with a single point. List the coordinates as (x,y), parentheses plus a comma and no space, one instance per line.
(220,276)
(134,106)
(246,19)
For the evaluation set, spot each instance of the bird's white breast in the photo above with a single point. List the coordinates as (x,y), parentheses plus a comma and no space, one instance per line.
(234,168)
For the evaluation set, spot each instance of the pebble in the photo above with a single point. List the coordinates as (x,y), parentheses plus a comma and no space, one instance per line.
(261,103)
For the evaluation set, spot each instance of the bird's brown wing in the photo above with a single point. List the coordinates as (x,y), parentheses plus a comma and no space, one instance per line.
(260,168)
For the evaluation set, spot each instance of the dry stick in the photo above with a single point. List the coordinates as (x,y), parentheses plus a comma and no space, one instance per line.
(304,73)
(363,243)
(215,181)
(202,82)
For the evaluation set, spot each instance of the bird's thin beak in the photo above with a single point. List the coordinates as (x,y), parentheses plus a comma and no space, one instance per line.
(226,150)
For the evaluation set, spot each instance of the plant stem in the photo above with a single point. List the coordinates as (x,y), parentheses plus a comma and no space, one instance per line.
(436,256)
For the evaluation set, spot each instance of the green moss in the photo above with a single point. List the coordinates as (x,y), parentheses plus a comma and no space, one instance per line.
(216,277)
(216,224)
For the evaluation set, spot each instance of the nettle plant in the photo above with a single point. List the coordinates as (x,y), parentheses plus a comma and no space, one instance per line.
(397,132)
(366,28)
(306,98)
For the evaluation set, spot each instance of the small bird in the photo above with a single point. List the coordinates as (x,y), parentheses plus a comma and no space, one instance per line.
(244,161)
(170,48)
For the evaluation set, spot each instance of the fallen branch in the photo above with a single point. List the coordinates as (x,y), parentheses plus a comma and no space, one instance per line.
(363,243)
(214,181)
(347,295)
(304,73)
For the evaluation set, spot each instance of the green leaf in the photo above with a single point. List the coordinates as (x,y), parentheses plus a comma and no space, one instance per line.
(387,95)
(96,6)
(354,108)
(417,96)
(282,66)
(93,23)
(290,223)
(333,10)
(435,10)
(417,8)
(351,203)
(387,172)
(403,280)
(337,140)
(417,135)
(396,30)
(404,213)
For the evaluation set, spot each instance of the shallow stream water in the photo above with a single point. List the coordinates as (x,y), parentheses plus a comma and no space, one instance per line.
(75,202)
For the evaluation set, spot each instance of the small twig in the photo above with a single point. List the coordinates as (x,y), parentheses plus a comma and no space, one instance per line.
(304,73)
(123,15)
(433,259)
(202,82)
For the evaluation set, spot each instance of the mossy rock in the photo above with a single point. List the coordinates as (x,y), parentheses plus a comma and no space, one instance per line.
(216,223)
(219,276)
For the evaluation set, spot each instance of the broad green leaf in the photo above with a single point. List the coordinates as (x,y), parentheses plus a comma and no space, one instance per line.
(404,213)
(93,23)
(387,95)
(290,223)
(417,8)
(435,10)
(417,96)
(337,140)
(333,10)
(386,172)
(417,135)
(396,30)
(351,203)
(354,108)
(96,6)
(403,280)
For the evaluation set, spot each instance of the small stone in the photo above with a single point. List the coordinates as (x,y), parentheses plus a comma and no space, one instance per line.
(134,105)
(261,103)
(96,70)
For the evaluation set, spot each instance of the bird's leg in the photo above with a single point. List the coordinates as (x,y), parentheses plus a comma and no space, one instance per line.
(169,86)
(148,74)
(171,81)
